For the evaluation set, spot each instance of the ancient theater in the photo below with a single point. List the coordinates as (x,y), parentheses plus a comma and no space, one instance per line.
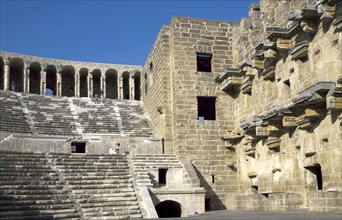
(223,116)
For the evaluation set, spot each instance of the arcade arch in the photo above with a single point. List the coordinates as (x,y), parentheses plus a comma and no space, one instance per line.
(96,82)
(125,86)
(137,79)
(34,78)
(84,82)
(16,75)
(68,81)
(51,79)
(168,208)
(111,84)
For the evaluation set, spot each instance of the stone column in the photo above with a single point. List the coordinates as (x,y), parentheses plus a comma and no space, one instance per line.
(131,85)
(77,83)
(26,80)
(43,81)
(103,84)
(6,75)
(120,87)
(90,85)
(59,83)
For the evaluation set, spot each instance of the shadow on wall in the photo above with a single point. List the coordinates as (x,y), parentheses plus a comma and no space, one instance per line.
(212,201)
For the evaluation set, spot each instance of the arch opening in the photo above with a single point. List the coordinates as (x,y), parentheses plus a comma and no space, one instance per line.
(51,80)
(137,86)
(111,84)
(2,73)
(34,86)
(68,81)
(168,208)
(84,82)
(16,75)
(125,85)
(96,82)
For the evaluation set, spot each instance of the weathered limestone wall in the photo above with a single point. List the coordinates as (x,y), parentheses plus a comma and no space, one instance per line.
(199,141)
(286,171)
(156,88)
(274,63)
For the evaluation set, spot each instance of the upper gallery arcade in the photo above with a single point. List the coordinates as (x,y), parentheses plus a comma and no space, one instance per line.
(38,75)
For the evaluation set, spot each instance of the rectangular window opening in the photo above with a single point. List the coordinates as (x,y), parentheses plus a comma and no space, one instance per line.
(79,148)
(317,171)
(204,62)
(206,108)
(162,176)
(207,205)
(213,179)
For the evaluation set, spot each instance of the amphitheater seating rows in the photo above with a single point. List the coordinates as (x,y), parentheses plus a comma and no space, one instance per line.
(65,186)
(30,189)
(54,116)
(12,116)
(50,115)
(96,118)
(134,122)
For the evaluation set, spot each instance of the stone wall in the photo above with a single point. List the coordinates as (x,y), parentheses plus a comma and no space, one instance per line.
(156,88)
(284,66)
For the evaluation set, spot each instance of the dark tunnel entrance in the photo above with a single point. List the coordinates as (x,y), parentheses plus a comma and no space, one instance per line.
(168,209)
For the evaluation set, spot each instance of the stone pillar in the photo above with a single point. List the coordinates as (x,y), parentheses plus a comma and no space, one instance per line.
(59,83)
(77,83)
(120,87)
(43,81)
(103,86)
(90,85)
(26,80)
(131,87)
(6,75)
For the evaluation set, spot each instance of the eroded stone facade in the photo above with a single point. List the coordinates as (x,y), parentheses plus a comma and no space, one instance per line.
(275,141)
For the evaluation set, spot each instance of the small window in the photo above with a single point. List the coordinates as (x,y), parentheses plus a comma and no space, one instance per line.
(213,179)
(78,148)
(206,108)
(204,62)
(162,176)
(151,66)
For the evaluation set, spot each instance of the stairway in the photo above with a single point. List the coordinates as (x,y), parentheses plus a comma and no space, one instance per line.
(101,185)
(142,164)
(30,189)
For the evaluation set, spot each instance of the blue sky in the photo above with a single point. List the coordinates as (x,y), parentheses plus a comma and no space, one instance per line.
(109,31)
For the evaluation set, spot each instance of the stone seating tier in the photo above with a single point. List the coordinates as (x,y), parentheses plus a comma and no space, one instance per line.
(101,185)
(12,116)
(30,189)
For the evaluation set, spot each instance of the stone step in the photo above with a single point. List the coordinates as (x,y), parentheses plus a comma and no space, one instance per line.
(13,177)
(109,204)
(81,178)
(26,170)
(55,213)
(30,182)
(90,164)
(107,199)
(96,174)
(99,195)
(98,182)
(141,164)
(103,186)
(42,175)
(102,191)
(69,216)
(115,208)
(34,197)
(30,187)
(110,213)
(11,192)
(22,162)
(32,202)
(90,168)
(37,207)
(93,172)
(23,167)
